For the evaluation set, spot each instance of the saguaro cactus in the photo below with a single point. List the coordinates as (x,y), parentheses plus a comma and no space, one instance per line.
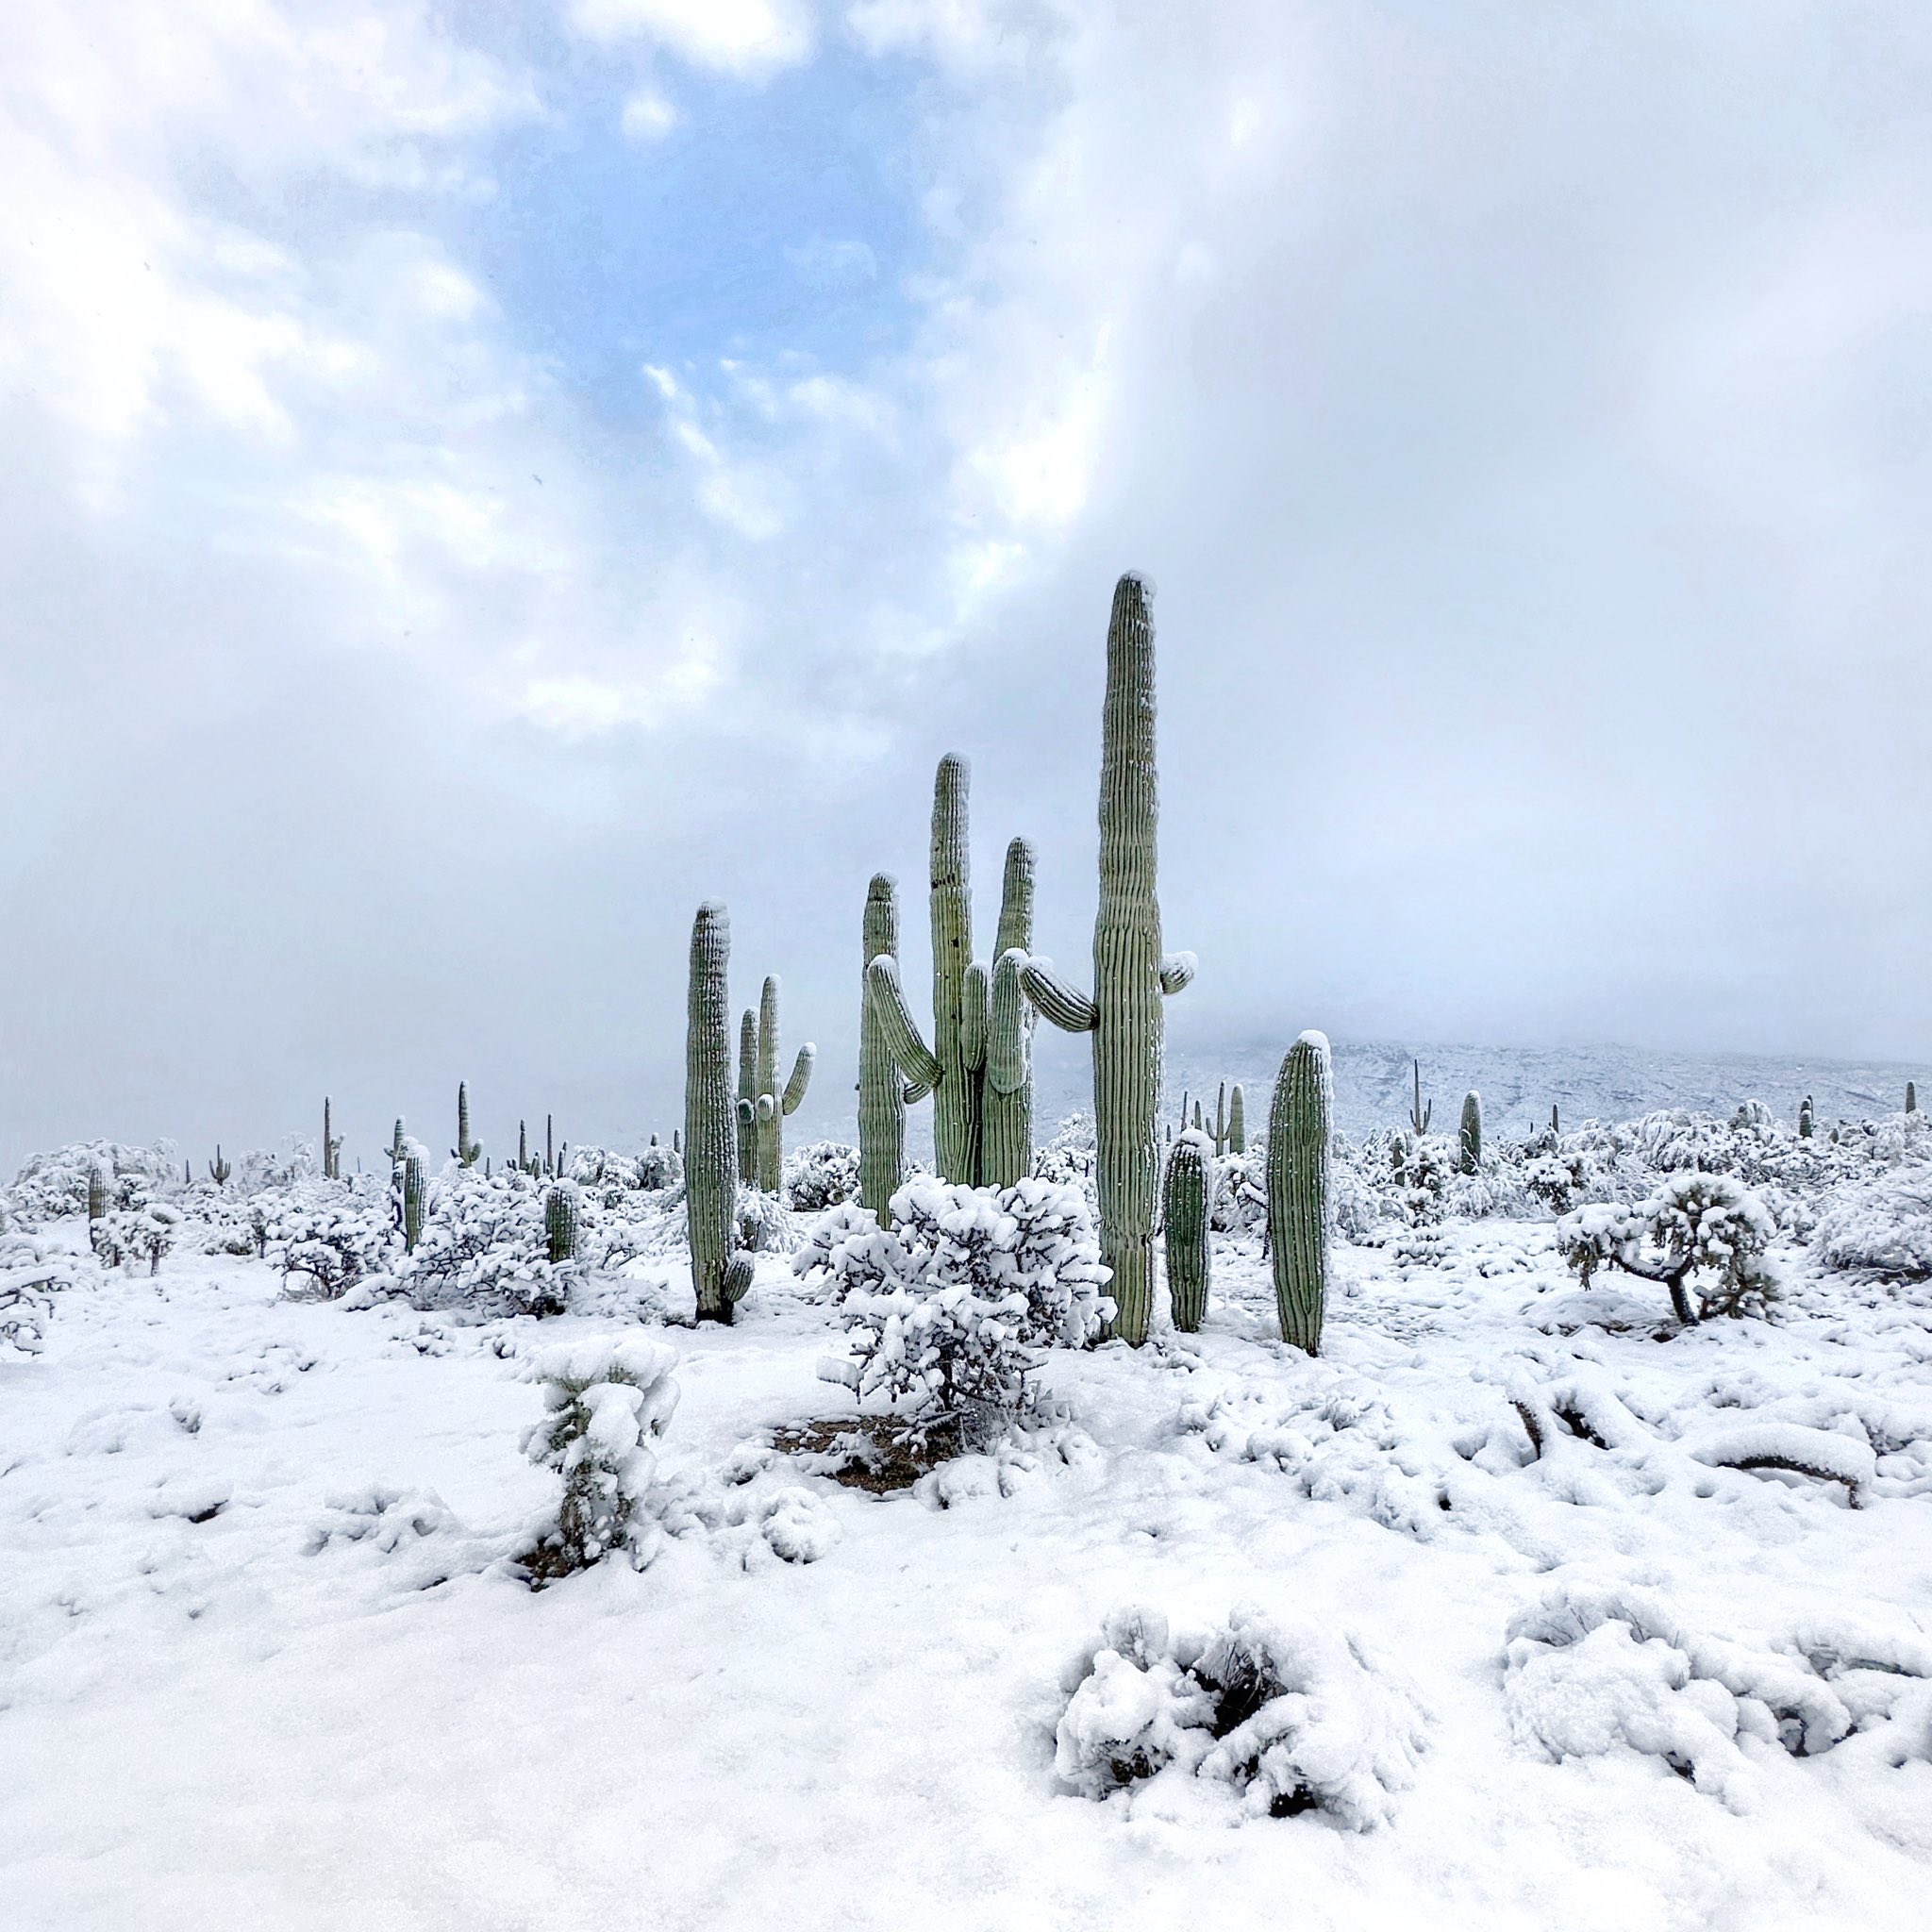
(766,1108)
(98,1192)
(415,1195)
(331,1146)
(881,1096)
(1130,972)
(1419,1115)
(560,1224)
(1237,1121)
(1184,1213)
(1911,1097)
(398,1145)
(466,1150)
(1804,1121)
(1006,1099)
(1468,1135)
(1299,1131)
(719,1276)
(218,1169)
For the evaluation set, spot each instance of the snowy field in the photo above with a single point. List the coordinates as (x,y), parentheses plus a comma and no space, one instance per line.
(267,1658)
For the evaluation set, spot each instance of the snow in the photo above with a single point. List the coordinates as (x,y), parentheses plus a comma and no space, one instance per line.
(1546,1647)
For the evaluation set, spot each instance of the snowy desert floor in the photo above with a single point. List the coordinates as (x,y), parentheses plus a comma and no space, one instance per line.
(262,1665)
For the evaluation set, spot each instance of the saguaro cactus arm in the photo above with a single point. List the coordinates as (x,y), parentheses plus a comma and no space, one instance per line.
(1177,972)
(973,1004)
(901,1030)
(1005,1035)
(1056,1000)
(801,1077)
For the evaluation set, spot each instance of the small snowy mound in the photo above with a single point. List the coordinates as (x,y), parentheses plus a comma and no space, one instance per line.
(606,1401)
(1278,1719)
(797,1526)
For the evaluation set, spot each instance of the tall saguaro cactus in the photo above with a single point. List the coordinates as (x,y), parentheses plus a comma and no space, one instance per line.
(881,1096)
(1131,975)
(415,1194)
(1469,1134)
(466,1150)
(1184,1214)
(746,1115)
(1299,1129)
(1237,1121)
(331,1146)
(719,1276)
(1006,1099)
(765,1108)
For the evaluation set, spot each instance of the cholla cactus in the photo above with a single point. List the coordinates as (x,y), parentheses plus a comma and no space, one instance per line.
(1184,1213)
(1299,1219)
(1131,973)
(560,1222)
(720,1275)
(466,1150)
(218,1171)
(1470,1134)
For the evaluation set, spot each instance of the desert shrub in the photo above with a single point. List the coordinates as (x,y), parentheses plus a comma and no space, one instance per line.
(334,1233)
(31,1275)
(657,1168)
(1880,1227)
(953,1303)
(605,1402)
(820,1175)
(124,1236)
(52,1185)
(1071,1156)
(1284,1719)
(1696,1225)
(484,1245)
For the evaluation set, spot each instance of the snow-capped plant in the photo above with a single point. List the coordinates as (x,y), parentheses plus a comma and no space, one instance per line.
(953,1303)
(123,1236)
(1286,1719)
(1072,1156)
(657,1168)
(1696,1225)
(1882,1226)
(821,1175)
(52,1185)
(30,1276)
(606,1401)
(484,1244)
(333,1233)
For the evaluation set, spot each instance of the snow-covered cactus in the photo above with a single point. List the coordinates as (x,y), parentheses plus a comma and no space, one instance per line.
(1805,1118)
(332,1145)
(1237,1121)
(415,1198)
(1419,1115)
(1469,1136)
(770,1106)
(1911,1097)
(218,1169)
(746,1114)
(1556,1122)
(719,1275)
(881,1096)
(1131,973)
(560,1222)
(1299,1132)
(1183,1212)
(466,1150)
(1006,1104)
(98,1192)
(398,1145)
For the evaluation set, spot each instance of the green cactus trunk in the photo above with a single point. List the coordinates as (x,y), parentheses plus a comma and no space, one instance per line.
(745,1114)
(1468,1135)
(1804,1117)
(97,1192)
(770,1143)
(1236,1123)
(1184,1214)
(955,1102)
(218,1169)
(1299,1130)
(881,1092)
(1911,1097)
(719,1275)
(332,1147)
(1006,1096)
(415,1195)
(466,1150)
(560,1224)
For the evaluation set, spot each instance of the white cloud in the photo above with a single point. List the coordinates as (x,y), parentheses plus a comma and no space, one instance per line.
(740,36)
(647,116)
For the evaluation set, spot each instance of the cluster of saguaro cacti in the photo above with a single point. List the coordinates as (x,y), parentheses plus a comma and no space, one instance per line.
(720,1275)
(1804,1120)
(332,1145)
(1184,1214)
(1300,1125)
(1469,1136)
(535,1165)
(979,1066)
(560,1222)
(218,1169)
(1228,1129)
(762,1107)
(1131,973)
(466,1150)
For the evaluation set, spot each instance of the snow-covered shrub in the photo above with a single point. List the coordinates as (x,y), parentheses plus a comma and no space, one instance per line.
(1281,1719)
(124,1236)
(820,1175)
(1071,1157)
(52,1186)
(1696,1223)
(657,1168)
(484,1245)
(766,1224)
(953,1304)
(606,1401)
(333,1233)
(263,1170)
(30,1276)
(1238,1202)
(1882,1226)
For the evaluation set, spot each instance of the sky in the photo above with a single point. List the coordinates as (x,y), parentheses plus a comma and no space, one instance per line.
(479,481)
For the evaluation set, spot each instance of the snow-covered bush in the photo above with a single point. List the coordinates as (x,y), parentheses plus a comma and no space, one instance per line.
(1882,1226)
(1705,1225)
(484,1245)
(657,1168)
(124,1236)
(953,1304)
(766,1224)
(52,1186)
(606,1401)
(820,1175)
(333,1233)
(1071,1157)
(1278,1719)
(30,1276)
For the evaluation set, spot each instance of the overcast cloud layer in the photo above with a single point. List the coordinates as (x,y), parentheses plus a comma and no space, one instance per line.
(478,482)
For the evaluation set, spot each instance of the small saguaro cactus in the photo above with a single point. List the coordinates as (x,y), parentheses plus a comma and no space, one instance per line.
(747,1113)
(1007,1095)
(1469,1136)
(1556,1122)
(560,1222)
(415,1196)
(98,1192)
(770,1106)
(398,1144)
(218,1169)
(332,1145)
(188,1173)
(1131,973)
(881,1094)
(1419,1115)
(719,1275)
(466,1150)
(1184,1213)
(1911,1097)
(1237,1121)
(1804,1120)
(1299,1132)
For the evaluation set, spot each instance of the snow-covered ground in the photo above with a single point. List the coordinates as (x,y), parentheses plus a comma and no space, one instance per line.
(263,1664)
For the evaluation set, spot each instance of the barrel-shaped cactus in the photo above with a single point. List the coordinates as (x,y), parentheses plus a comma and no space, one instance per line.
(719,1276)
(1299,1223)
(1184,1215)
(560,1222)
(881,1092)
(466,1150)
(1468,1135)
(415,1200)
(1131,973)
